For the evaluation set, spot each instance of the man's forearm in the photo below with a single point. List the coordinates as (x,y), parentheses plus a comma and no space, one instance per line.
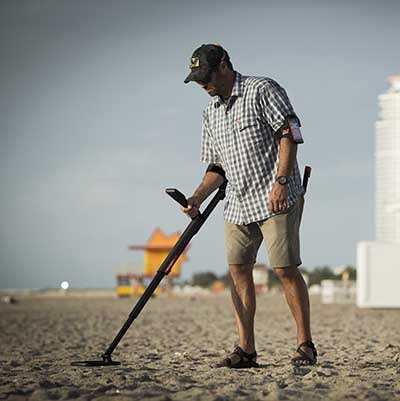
(210,183)
(287,157)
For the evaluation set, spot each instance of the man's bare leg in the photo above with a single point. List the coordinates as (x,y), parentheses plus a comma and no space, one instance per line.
(244,304)
(297,298)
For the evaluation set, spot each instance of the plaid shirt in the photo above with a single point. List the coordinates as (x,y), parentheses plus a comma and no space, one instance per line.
(241,136)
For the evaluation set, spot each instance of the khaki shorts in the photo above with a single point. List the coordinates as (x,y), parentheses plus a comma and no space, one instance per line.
(281,235)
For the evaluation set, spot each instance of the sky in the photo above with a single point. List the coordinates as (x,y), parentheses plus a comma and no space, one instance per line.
(96,122)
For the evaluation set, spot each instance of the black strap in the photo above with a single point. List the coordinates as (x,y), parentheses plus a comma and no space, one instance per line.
(238,350)
(216,169)
(308,344)
(285,130)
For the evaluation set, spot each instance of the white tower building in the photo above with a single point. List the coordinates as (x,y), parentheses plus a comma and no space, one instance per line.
(387,164)
(378,262)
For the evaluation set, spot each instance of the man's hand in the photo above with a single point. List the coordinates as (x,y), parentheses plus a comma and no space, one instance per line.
(278,198)
(193,207)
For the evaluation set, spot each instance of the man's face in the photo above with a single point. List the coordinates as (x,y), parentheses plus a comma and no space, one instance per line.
(214,86)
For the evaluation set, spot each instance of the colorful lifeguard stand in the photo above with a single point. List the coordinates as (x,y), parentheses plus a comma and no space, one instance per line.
(155,251)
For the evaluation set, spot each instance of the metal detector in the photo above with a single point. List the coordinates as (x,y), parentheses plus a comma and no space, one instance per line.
(192,229)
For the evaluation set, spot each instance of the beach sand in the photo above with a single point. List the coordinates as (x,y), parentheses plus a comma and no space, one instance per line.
(167,353)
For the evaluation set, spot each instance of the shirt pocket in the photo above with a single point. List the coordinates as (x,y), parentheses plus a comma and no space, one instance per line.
(248,121)
(250,131)
(248,127)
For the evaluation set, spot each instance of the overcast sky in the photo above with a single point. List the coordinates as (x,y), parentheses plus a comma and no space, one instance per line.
(96,122)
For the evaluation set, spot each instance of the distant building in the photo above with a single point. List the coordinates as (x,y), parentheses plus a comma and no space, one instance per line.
(387,164)
(378,268)
(260,277)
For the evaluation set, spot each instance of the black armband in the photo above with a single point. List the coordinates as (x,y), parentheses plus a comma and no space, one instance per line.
(291,129)
(216,169)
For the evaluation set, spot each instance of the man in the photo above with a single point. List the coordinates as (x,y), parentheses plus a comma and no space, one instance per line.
(250,136)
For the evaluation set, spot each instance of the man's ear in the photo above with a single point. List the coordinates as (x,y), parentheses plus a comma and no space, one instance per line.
(223,67)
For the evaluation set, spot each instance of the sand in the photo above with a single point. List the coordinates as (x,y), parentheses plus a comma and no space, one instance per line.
(167,353)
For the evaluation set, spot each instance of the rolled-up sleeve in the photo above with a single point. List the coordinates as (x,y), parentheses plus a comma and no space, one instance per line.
(208,151)
(275,105)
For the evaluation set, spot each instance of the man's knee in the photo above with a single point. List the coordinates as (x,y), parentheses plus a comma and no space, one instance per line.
(244,270)
(287,273)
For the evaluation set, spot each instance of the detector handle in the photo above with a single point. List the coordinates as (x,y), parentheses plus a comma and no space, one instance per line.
(178,196)
(306,177)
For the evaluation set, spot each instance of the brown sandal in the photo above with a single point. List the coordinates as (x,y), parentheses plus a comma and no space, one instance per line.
(304,359)
(239,359)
